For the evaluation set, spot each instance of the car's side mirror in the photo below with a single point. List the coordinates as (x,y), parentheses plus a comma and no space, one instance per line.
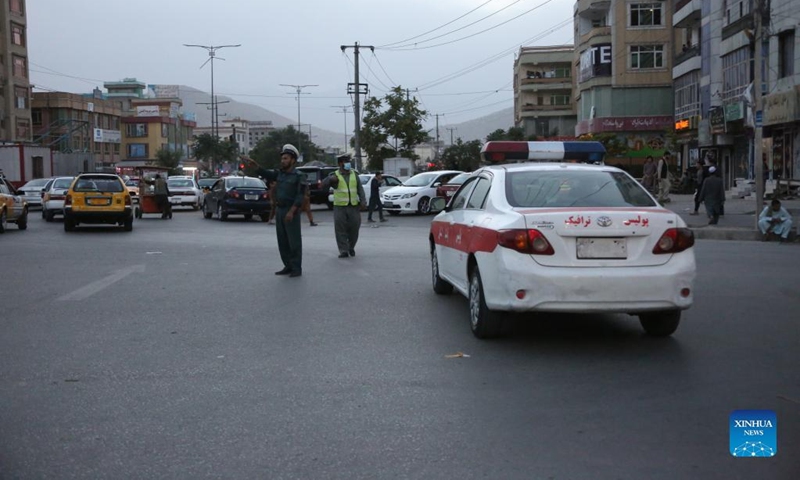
(437,184)
(438,204)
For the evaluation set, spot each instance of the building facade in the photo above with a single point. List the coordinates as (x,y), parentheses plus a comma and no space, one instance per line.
(15,87)
(74,123)
(154,124)
(543,91)
(623,69)
(258,131)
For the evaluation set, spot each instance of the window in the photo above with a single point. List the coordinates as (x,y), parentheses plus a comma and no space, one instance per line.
(38,166)
(20,67)
(36,116)
(21,97)
(562,72)
(98,147)
(647,56)
(17,34)
(735,73)
(23,130)
(599,22)
(459,201)
(116,149)
(687,95)
(164,130)
(736,9)
(15,6)
(136,130)
(645,14)
(573,188)
(786,54)
(559,99)
(137,150)
(479,194)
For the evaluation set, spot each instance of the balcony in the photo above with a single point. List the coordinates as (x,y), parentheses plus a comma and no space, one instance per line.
(594,33)
(553,83)
(687,13)
(693,51)
(529,107)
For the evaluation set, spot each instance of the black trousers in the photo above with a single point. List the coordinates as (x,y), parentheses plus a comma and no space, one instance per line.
(375,204)
(290,243)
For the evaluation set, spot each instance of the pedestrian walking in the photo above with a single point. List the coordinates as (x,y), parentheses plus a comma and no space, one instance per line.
(289,192)
(713,195)
(307,207)
(663,178)
(700,177)
(649,174)
(348,199)
(161,192)
(375,197)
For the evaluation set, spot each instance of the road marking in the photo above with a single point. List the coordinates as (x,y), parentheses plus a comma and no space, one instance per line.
(99,285)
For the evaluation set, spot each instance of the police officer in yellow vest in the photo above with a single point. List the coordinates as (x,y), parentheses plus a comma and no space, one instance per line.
(348,199)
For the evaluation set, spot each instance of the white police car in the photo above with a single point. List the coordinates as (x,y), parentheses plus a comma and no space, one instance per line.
(550,235)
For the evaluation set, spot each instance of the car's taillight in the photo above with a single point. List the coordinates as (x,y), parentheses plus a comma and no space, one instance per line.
(68,200)
(233,194)
(674,240)
(127,199)
(525,241)
(265,195)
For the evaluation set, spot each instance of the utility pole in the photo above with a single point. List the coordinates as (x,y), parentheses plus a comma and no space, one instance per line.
(437,135)
(759,131)
(298,91)
(356,88)
(451,134)
(345,112)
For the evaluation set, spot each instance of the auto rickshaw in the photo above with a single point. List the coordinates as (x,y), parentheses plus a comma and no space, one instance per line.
(147,199)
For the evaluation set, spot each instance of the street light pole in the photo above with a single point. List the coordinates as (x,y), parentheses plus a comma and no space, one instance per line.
(298,90)
(343,110)
(212,55)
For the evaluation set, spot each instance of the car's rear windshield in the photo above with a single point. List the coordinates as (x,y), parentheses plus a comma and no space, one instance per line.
(421,180)
(180,183)
(565,188)
(98,184)
(62,183)
(245,182)
(39,182)
(459,179)
(206,182)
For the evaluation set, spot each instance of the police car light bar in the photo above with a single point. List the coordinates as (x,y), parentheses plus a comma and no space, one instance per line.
(496,152)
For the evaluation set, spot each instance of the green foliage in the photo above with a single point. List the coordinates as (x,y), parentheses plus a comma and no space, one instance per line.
(267,152)
(462,156)
(516,133)
(214,151)
(498,134)
(393,120)
(170,159)
(615,146)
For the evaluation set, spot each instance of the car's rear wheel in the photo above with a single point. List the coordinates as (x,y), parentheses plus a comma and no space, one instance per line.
(248,216)
(22,222)
(3,221)
(128,224)
(206,211)
(439,286)
(660,324)
(221,215)
(424,206)
(69,224)
(48,216)
(484,322)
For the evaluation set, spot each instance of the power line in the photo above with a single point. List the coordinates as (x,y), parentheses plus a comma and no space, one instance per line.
(437,28)
(476,33)
(384,70)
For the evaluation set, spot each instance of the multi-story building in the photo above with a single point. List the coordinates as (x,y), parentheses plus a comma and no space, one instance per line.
(686,73)
(543,91)
(15,87)
(623,61)
(73,123)
(153,124)
(781,103)
(258,131)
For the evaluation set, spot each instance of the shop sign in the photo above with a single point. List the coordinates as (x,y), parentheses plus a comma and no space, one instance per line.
(147,111)
(781,108)
(734,111)
(716,117)
(107,136)
(596,61)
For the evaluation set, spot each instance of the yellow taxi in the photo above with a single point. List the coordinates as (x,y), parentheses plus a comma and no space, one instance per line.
(13,207)
(98,198)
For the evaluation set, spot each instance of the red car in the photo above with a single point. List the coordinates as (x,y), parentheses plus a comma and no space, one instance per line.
(449,189)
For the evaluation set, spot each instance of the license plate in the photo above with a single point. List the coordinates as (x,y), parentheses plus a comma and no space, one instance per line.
(251,197)
(602,248)
(99,201)
(175,200)
(388,204)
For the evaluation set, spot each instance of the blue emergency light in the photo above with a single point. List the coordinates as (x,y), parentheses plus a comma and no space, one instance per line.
(511,151)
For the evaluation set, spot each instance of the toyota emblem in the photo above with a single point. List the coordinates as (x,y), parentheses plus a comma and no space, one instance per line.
(604,221)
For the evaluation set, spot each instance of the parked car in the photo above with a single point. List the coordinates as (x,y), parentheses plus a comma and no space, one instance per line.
(32,191)
(205,184)
(447,190)
(54,195)
(237,195)
(414,195)
(314,177)
(561,237)
(98,198)
(389,181)
(13,206)
(184,191)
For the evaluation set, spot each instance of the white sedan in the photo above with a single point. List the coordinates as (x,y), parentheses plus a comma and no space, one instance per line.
(54,195)
(184,191)
(415,195)
(560,237)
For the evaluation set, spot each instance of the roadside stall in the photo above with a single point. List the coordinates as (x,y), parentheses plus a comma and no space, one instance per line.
(146,202)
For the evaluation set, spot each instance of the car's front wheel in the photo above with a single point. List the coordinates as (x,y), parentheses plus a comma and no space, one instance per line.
(439,286)
(424,206)
(485,323)
(3,221)
(660,324)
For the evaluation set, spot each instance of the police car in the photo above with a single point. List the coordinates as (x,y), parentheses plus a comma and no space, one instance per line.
(546,227)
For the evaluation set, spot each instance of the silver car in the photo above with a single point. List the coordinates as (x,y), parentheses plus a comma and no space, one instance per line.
(53,199)
(32,191)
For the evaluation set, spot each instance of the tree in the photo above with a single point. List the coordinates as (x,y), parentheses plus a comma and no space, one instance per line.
(498,134)
(169,158)
(462,155)
(396,120)
(267,151)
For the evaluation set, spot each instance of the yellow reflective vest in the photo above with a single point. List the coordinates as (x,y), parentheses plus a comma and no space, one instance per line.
(346,194)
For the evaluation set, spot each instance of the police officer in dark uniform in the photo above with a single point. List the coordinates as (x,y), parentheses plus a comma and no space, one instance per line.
(289,190)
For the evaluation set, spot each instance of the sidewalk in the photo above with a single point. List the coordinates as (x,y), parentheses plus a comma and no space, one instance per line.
(739,222)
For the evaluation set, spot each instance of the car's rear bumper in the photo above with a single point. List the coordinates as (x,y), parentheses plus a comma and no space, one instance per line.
(590,289)
(187,200)
(233,207)
(55,206)
(33,201)
(83,216)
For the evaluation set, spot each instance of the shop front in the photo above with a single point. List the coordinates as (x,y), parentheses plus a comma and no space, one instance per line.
(782,126)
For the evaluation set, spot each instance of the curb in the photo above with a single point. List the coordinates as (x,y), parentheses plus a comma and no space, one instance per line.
(730,233)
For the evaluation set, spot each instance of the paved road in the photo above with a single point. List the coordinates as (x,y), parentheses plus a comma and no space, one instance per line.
(174,352)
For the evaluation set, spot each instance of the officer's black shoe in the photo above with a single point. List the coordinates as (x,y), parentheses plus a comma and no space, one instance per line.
(344,255)
(352,253)
(296,273)
(285,271)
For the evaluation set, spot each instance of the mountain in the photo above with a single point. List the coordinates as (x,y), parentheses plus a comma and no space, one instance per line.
(478,128)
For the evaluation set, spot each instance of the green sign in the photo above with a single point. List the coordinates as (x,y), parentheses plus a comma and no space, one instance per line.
(734,111)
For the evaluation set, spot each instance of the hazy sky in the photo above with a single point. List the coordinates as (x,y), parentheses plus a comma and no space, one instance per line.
(75,45)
